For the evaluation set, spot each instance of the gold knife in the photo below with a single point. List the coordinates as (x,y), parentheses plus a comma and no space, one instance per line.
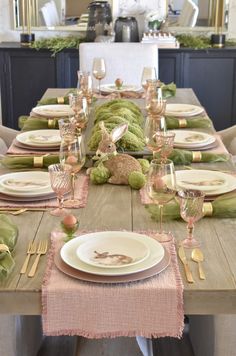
(183,259)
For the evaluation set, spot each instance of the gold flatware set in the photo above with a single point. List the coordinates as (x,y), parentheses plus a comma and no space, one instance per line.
(32,250)
(18,211)
(196,256)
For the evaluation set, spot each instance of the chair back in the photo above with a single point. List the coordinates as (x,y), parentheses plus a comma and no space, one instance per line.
(123,60)
(189,14)
(49,14)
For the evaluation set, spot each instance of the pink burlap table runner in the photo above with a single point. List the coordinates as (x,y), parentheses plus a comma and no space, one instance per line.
(151,308)
(81,193)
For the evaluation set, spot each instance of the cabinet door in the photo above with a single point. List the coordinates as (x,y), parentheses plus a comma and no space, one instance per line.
(212,77)
(71,65)
(25,76)
(170,67)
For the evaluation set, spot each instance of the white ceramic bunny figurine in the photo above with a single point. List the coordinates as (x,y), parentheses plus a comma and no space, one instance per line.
(120,168)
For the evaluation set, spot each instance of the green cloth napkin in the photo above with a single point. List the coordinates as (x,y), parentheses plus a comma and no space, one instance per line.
(195,122)
(168,90)
(180,156)
(8,237)
(28,161)
(57,100)
(28,123)
(222,207)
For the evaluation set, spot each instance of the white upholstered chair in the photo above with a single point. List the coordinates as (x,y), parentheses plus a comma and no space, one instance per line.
(6,137)
(189,14)
(123,60)
(228,137)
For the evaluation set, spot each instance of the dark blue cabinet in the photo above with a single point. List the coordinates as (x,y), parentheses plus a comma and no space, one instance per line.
(25,74)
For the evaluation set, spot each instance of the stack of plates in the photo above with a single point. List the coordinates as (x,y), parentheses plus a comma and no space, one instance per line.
(55,110)
(193,140)
(182,110)
(39,139)
(111,88)
(26,186)
(213,183)
(112,257)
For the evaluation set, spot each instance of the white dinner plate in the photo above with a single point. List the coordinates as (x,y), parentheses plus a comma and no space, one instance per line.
(40,138)
(180,110)
(211,182)
(69,256)
(33,176)
(111,88)
(192,139)
(108,252)
(56,110)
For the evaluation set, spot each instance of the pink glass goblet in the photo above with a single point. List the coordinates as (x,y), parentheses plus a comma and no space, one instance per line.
(191,210)
(60,177)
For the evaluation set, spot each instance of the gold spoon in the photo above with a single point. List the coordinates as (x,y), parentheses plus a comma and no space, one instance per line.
(198,257)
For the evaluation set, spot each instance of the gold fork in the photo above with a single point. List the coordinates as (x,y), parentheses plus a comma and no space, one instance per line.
(30,251)
(42,249)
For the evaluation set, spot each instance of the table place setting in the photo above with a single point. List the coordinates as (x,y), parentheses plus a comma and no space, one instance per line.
(24,190)
(110,266)
(182,110)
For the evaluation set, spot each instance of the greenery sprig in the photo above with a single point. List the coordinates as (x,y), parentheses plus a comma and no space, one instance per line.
(196,42)
(199,42)
(57,44)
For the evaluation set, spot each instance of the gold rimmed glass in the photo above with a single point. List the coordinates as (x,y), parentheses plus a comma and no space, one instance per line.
(99,71)
(73,154)
(161,188)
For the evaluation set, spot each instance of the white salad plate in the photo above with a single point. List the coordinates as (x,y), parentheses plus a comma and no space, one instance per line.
(69,253)
(107,251)
(180,110)
(40,138)
(55,110)
(32,180)
(211,182)
(192,139)
(111,88)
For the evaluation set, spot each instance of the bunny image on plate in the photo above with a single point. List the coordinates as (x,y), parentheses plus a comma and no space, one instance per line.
(113,167)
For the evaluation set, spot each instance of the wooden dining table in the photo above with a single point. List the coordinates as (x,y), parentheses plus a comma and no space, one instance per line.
(115,207)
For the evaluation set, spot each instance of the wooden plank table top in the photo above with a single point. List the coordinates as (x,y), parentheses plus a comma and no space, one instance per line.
(112,207)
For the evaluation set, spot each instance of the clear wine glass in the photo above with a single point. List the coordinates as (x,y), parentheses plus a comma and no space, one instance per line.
(148,73)
(60,177)
(191,210)
(99,71)
(161,188)
(73,153)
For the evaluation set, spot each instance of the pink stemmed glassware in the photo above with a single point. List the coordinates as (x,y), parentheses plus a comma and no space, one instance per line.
(164,143)
(161,188)
(191,210)
(60,177)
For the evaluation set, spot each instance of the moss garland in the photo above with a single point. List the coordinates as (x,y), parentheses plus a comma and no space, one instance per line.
(57,44)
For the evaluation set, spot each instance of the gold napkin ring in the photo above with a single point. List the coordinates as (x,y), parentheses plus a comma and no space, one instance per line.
(197,156)
(38,162)
(182,123)
(51,123)
(4,248)
(60,100)
(207,209)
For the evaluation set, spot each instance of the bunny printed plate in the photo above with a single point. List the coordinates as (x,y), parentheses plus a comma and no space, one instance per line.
(70,256)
